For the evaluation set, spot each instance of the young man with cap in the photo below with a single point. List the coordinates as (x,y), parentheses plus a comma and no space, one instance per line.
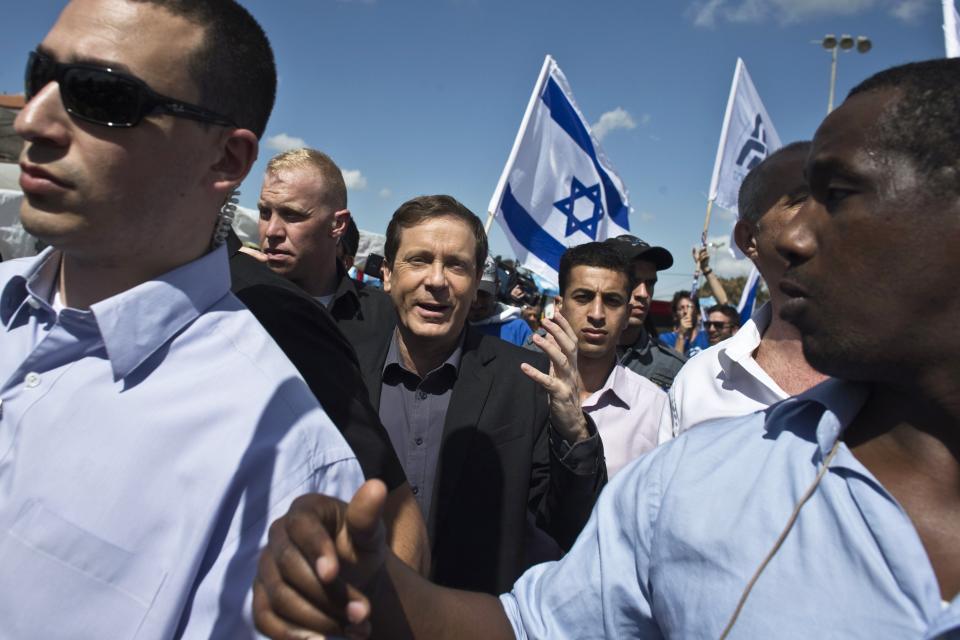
(493,318)
(640,350)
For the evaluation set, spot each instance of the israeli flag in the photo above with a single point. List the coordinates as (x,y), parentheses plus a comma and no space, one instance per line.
(748,299)
(746,138)
(951,29)
(557,189)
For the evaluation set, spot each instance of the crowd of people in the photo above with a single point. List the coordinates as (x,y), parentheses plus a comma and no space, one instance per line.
(200,439)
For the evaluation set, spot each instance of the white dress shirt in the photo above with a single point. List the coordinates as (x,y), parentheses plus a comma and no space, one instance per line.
(725,380)
(632,416)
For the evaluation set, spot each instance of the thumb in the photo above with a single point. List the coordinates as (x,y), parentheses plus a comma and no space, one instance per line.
(364,514)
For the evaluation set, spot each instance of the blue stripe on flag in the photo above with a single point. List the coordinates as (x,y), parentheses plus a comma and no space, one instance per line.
(529,233)
(566,117)
(746,306)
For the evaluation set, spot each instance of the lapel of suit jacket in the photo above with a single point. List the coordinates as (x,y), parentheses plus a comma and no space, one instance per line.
(372,356)
(467,400)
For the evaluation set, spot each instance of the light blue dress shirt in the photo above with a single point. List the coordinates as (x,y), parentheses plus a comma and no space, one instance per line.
(145,447)
(676,536)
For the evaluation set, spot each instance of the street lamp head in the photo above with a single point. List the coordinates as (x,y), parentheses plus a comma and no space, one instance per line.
(846,41)
(829,41)
(864,44)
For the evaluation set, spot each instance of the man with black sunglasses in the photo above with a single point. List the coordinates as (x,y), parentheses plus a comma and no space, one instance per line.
(150,429)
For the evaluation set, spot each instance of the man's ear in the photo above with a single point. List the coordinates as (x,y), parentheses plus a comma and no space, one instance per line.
(386,272)
(746,238)
(340,220)
(238,152)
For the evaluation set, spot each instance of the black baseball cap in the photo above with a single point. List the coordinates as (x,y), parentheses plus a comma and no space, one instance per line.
(633,248)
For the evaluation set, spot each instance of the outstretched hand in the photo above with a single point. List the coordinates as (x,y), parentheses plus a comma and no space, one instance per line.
(563,381)
(320,560)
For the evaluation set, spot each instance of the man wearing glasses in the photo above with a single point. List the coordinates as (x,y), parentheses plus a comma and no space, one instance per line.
(149,428)
(722,322)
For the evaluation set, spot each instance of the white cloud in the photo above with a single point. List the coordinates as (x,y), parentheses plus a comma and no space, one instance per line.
(284,142)
(619,118)
(354,179)
(647,216)
(909,10)
(385,193)
(726,214)
(708,13)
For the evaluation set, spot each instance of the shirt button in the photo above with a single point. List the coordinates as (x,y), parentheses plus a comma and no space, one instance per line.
(31,380)
(416,490)
(422,395)
(419,441)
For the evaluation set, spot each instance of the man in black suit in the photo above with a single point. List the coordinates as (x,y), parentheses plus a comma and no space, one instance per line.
(486,435)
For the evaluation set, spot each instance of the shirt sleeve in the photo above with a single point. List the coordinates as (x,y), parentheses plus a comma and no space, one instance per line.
(222,599)
(601,588)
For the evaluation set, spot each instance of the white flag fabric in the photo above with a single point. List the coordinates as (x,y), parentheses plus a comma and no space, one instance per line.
(557,189)
(747,137)
(951,29)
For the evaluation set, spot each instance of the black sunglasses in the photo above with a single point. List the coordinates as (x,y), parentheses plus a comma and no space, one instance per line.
(716,325)
(106,96)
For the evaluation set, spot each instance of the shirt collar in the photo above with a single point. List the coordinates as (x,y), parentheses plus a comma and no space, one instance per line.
(643,343)
(745,341)
(33,286)
(453,360)
(137,322)
(839,402)
(616,384)
(345,284)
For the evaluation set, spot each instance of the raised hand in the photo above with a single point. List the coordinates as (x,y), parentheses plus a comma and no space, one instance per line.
(320,559)
(563,381)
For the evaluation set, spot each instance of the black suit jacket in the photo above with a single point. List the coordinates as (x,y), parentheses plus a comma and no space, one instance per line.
(309,337)
(496,465)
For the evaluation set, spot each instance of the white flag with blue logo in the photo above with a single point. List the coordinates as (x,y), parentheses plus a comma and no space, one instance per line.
(951,29)
(558,189)
(746,138)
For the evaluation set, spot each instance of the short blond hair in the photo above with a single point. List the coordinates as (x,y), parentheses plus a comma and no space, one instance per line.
(335,189)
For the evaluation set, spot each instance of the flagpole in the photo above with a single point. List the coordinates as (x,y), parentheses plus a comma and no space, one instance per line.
(703,243)
(512,158)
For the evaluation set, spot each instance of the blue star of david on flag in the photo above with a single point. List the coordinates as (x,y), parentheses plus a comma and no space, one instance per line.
(567,206)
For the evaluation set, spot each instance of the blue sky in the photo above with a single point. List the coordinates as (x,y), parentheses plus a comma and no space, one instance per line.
(425,96)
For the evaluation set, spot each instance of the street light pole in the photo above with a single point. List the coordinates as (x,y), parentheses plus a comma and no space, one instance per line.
(833,80)
(832,44)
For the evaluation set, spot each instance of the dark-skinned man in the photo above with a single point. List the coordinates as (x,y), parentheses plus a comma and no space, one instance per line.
(836,512)
(763,362)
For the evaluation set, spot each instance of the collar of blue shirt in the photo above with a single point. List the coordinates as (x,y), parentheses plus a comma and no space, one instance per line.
(136,322)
